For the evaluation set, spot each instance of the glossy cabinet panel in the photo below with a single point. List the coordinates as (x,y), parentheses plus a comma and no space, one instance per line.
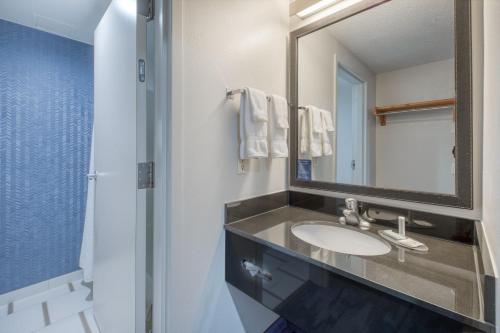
(317,300)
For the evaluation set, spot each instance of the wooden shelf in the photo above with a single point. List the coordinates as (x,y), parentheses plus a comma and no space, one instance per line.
(382,112)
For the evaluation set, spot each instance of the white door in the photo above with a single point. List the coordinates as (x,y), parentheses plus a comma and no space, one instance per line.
(119,111)
(349,118)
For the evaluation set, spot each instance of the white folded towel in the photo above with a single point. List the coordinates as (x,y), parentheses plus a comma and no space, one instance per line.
(326,146)
(327,125)
(327,120)
(258,104)
(253,124)
(315,131)
(303,132)
(316,117)
(278,126)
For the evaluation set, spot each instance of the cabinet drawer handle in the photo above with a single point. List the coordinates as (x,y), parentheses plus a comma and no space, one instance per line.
(255,270)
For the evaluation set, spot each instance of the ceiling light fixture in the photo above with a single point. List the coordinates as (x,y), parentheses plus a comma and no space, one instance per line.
(327,7)
(316,7)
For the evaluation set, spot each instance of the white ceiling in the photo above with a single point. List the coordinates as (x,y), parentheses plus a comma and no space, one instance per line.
(399,34)
(75,19)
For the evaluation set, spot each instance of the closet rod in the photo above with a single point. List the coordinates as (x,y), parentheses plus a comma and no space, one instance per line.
(382,112)
(416,106)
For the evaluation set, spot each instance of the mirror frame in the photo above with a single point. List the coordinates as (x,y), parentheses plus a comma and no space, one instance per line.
(463,197)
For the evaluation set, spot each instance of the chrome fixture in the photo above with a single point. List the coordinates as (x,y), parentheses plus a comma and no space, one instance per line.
(401,226)
(256,271)
(231,92)
(352,215)
(92,176)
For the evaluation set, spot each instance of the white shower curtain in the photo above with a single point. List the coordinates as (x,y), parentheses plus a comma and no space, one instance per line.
(87,250)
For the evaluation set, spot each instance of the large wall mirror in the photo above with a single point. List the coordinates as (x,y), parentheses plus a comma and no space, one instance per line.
(381,102)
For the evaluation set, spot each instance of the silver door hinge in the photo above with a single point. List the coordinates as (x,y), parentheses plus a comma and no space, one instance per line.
(141,71)
(145,175)
(146,8)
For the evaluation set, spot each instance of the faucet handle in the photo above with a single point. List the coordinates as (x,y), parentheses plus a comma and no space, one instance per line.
(351,204)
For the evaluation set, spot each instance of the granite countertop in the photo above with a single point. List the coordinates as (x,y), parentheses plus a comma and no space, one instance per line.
(445,279)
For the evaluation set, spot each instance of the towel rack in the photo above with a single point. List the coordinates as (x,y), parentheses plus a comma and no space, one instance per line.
(231,92)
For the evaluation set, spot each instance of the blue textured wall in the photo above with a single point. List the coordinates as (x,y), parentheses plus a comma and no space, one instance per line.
(46,100)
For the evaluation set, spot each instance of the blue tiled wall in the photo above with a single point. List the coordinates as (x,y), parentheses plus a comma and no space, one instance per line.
(46,100)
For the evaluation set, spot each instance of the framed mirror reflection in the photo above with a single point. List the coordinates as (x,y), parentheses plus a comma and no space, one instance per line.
(381,102)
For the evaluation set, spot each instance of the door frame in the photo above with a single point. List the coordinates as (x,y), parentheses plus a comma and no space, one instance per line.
(163,28)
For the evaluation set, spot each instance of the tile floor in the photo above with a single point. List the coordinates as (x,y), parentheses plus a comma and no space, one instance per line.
(59,310)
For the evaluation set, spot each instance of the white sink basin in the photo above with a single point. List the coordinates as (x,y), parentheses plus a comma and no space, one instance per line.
(340,239)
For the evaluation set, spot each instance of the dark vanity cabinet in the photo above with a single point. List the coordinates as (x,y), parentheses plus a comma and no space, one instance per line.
(317,300)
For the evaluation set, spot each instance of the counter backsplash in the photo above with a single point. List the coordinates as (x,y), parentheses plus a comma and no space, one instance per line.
(440,226)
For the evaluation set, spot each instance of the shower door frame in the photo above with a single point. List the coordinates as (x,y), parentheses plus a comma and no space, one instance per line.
(163,49)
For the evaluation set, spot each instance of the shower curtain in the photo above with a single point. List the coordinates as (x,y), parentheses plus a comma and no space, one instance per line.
(87,250)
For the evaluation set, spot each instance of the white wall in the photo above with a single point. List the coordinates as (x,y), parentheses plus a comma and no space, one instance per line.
(217,44)
(491,134)
(435,80)
(417,144)
(316,86)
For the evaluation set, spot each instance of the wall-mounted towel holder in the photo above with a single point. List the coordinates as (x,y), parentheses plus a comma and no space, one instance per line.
(231,92)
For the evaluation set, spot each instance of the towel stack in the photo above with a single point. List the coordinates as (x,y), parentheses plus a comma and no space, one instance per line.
(315,124)
(278,126)
(253,124)
(257,113)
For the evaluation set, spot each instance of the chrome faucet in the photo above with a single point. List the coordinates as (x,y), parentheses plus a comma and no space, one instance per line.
(352,216)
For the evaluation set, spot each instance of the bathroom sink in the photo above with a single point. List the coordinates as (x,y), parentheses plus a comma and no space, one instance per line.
(340,239)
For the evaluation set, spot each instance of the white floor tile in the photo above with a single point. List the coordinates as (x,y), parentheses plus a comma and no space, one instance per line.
(64,279)
(63,306)
(78,284)
(69,304)
(72,324)
(89,314)
(41,297)
(36,288)
(24,321)
(24,292)
(3,311)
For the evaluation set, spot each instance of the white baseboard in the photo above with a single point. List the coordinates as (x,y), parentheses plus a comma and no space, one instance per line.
(36,288)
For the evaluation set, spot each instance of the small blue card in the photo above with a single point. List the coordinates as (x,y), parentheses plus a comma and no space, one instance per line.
(304,170)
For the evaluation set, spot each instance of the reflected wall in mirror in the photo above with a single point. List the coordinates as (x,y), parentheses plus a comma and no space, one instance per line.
(376,96)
